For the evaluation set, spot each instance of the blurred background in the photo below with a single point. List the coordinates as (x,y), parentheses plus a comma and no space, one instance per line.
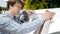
(33,4)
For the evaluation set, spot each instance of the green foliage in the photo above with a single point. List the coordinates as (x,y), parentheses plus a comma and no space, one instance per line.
(55,3)
(41,4)
(35,4)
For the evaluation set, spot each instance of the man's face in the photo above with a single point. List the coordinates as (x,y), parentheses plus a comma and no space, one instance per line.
(16,8)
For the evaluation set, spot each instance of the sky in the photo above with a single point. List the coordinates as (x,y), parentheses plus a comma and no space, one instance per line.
(3,3)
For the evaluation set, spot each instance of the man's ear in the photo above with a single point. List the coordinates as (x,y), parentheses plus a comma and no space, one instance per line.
(10,7)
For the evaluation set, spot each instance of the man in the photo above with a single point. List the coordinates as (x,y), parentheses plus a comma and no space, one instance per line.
(9,26)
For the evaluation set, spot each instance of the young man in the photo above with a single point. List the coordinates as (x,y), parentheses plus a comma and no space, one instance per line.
(9,26)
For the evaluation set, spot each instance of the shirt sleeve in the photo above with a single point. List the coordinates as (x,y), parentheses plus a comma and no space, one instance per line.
(9,26)
(12,27)
(34,24)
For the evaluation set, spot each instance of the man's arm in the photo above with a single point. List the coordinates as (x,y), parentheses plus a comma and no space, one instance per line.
(27,27)
(38,22)
(13,27)
(30,26)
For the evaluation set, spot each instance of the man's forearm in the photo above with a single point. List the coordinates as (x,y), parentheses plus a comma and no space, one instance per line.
(27,27)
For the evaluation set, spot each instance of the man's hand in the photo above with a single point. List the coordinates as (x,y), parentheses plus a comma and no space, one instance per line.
(48,15)
(30,12)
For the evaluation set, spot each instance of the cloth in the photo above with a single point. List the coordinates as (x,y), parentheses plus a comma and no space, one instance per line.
(9,26)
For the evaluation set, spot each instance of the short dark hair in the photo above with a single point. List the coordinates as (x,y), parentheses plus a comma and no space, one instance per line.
(13,2)
(10,3)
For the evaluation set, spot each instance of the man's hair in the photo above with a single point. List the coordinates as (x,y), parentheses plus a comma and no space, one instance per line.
(12,3)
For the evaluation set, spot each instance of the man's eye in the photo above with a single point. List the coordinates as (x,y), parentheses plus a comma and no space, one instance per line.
(18,6)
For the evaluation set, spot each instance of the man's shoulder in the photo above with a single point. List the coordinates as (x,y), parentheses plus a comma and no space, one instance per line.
(4,18)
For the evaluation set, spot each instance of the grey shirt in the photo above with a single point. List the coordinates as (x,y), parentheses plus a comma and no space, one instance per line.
(9,26)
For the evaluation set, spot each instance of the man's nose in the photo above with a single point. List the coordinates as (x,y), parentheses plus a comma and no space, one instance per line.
(20,6)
